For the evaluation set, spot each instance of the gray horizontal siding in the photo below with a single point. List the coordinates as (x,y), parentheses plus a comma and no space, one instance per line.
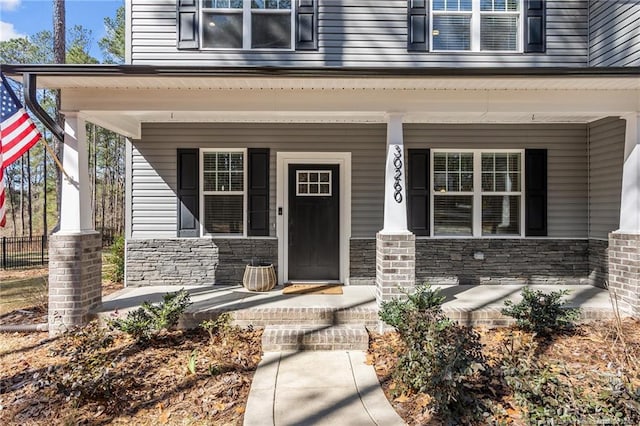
(606,154)
(154,166)
(567,161)
(614,35)
(357,33)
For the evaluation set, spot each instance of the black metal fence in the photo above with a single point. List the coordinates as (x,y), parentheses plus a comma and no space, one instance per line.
(29,252)
(23,252)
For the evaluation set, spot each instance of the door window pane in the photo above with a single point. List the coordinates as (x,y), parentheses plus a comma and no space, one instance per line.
(313,182)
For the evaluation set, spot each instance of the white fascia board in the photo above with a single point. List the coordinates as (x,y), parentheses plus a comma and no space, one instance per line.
(355,100)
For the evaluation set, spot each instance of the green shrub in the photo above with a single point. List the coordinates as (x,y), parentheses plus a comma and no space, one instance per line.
(115,257)
(441,357)
(424,298)
(542,313)
(149,319)
(220,325)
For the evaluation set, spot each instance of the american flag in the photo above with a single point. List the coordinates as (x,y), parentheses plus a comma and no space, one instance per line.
(17,135)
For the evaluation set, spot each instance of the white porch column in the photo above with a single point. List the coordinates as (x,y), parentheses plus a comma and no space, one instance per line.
(630,201)
(624,244)
(75,197)
(395,245)
(75,251)
(395,194)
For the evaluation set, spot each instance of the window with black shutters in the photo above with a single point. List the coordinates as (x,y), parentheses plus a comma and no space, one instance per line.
(223,192)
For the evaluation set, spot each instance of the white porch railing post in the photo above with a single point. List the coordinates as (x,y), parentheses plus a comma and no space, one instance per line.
(395,245)
(624,244)
(75,251)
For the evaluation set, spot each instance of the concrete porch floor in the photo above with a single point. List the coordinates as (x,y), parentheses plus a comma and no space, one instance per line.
(468,304)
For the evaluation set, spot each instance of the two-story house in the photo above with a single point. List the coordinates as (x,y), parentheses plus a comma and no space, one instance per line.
(372,142)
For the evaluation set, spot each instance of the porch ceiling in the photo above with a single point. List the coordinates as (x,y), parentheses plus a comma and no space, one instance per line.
(122,98)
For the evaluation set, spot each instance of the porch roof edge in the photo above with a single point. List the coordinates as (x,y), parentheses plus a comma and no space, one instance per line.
(307,72)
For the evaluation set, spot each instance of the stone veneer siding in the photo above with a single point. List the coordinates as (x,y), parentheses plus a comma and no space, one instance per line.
(235,253)
(598,262)
(75,279)
(362,262)
(506,261)
(177,261)
(624,270)
(195,261)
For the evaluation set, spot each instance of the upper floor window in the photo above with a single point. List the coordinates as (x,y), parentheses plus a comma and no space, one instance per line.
(247,24)
(476,25)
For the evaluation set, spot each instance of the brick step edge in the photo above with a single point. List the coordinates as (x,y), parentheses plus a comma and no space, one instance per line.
(319,338)
(262,317)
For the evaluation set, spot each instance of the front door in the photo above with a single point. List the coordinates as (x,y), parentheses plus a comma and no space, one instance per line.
(314,222)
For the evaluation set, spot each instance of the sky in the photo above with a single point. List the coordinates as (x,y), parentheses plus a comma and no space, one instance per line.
(25,17)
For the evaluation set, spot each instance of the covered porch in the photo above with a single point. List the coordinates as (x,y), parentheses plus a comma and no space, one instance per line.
(402,103)
(471,304)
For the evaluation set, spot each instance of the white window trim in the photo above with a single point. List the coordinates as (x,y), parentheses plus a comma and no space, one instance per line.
(244,193)
(246,26)
(476,225)
(476,13)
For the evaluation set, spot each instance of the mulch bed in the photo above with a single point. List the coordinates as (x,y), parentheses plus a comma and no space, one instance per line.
(150,382)
(592,350)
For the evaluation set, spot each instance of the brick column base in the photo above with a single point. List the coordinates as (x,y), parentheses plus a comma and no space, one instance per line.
(75,279)
(395,265)
(624,270)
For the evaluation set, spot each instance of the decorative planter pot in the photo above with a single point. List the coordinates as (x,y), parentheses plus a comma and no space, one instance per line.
(259,278)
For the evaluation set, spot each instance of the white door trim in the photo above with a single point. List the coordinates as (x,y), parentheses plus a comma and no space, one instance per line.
(283,159)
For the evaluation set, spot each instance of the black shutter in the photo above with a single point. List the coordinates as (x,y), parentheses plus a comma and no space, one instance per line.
(534,26)
(419,185)
(188,193)
(307,25)
(535,166)
(417,26)
(258,192)
(187,24)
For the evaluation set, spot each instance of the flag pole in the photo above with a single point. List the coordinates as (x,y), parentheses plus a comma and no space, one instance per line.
(55,158)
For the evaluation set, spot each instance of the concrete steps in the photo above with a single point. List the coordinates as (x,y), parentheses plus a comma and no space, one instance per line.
(296,337)
(262,317)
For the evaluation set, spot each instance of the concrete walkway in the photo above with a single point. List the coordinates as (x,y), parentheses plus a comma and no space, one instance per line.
(317,388)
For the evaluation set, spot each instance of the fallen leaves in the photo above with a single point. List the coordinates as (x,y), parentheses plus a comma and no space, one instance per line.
(159,391)
(593,350)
